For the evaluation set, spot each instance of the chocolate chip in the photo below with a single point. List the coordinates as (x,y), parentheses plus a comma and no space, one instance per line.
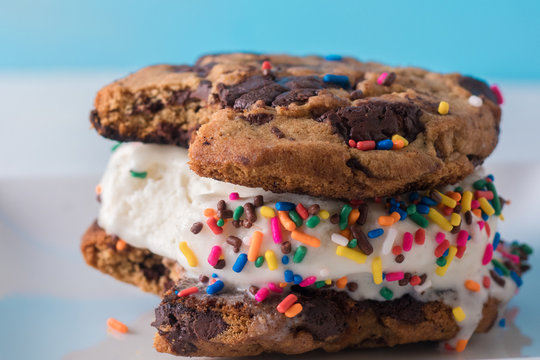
(314,209)
(334,219)
(298,96)
(249,210)
(220,264)
(253,289)
(375,120)
(235,242)
(363,209)
(352,286)
(477,87)
(203,278)
(279,134)
(286,247)
(499,280)
(196,227)
(356,94)
(389,80)
(225,214)
(363,242)
(259,201)
(221,205)
(258,119)
(399,259)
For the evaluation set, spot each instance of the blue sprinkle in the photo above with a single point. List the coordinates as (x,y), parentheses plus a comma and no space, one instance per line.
(340,80)
(214,275)
(422,209)
(240,262)
(485,217)
(176,292)
(502,322)
(333,57)
(446,253)
(288,275)
(499,271)
(383,276)
(469,238)
(284,206)
(375,233)
(490,176)
(215,287)
(516,278)
(402,214)
(392,209)
(393,201)
(427,201)
(414,196)
(285,260)
(297,279)
(496,240)
(385,145)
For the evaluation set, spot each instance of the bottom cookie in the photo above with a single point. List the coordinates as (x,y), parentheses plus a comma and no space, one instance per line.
(237,325)
(140,267)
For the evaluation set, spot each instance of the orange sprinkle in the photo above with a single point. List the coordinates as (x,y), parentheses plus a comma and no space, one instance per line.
(255,245)
(286,220)
(98,189)
(396,216)
(396,250)
(472,285)
(213,280)
(386,220)
(117,325)
(461,345)
(293,310)
(346,233)
(282,284)
(398,144)
(454,195)
(447,211)
(209,212)
(121,245)
(477,212)
(188,291)
(341,282)
(353,216)
(305,238)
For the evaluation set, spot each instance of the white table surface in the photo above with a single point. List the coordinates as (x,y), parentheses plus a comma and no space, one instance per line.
(53,306)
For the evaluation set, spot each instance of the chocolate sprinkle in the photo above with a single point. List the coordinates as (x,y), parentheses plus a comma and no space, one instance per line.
(196,227)
(279,134)
(259,201)
(363,242)
(286,247)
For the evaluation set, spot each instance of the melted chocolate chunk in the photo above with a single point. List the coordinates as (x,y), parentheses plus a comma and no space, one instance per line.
(146,105)
(475,159)
(298,96)
(267,94)
(203,91)
(303,82)
(178,97)
(404,309)
(229,94)
(477,87)
(325,318)
(154,272)
(200,70)
(258,119)
(375,120)
(357,94)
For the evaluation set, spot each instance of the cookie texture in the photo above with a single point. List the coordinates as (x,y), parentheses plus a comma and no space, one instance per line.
(236,325)
(140,267)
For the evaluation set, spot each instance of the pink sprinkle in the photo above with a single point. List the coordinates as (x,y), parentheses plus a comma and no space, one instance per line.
(481,224)
(407,241)
(497,93)
(276,230)
(310,280)
(274,288)
(395,276)
(352,143)
(215,253)
(382,77)
(475,204)
(488,254)
(234,196)
(462,238)
(261,294)
(439,238)
(512,257)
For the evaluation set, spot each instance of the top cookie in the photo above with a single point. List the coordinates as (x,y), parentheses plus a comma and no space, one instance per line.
(308,124)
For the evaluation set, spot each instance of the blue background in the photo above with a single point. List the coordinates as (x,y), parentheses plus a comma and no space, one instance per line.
(491,39)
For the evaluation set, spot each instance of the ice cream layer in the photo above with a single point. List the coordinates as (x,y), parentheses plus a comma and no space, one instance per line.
(151,199)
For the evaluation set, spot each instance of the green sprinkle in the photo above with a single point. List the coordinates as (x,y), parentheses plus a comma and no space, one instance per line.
(319,284)
(479,184)
(259,261)
(526,249)
(313,221)
(113,149)
(458,189)
(295,218)
(419,220)
(344,217)
(411,209)
(503,268)
(238,212)
(299,254)
(220,222)
(353,243)
(441,261)
(496,202)
(137,174)
(386,293)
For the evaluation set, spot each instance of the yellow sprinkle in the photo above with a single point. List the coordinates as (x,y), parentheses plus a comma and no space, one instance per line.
(399,137)
(466,201)
(323,214)
(486,206)
(349,253)
(459,314)
(501,217)
(328,282)
(271,259)
(443,108)
(267,212)
(439,220)
(451,253)
(447,200)
(190,256)
(376,269)
(455,219)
